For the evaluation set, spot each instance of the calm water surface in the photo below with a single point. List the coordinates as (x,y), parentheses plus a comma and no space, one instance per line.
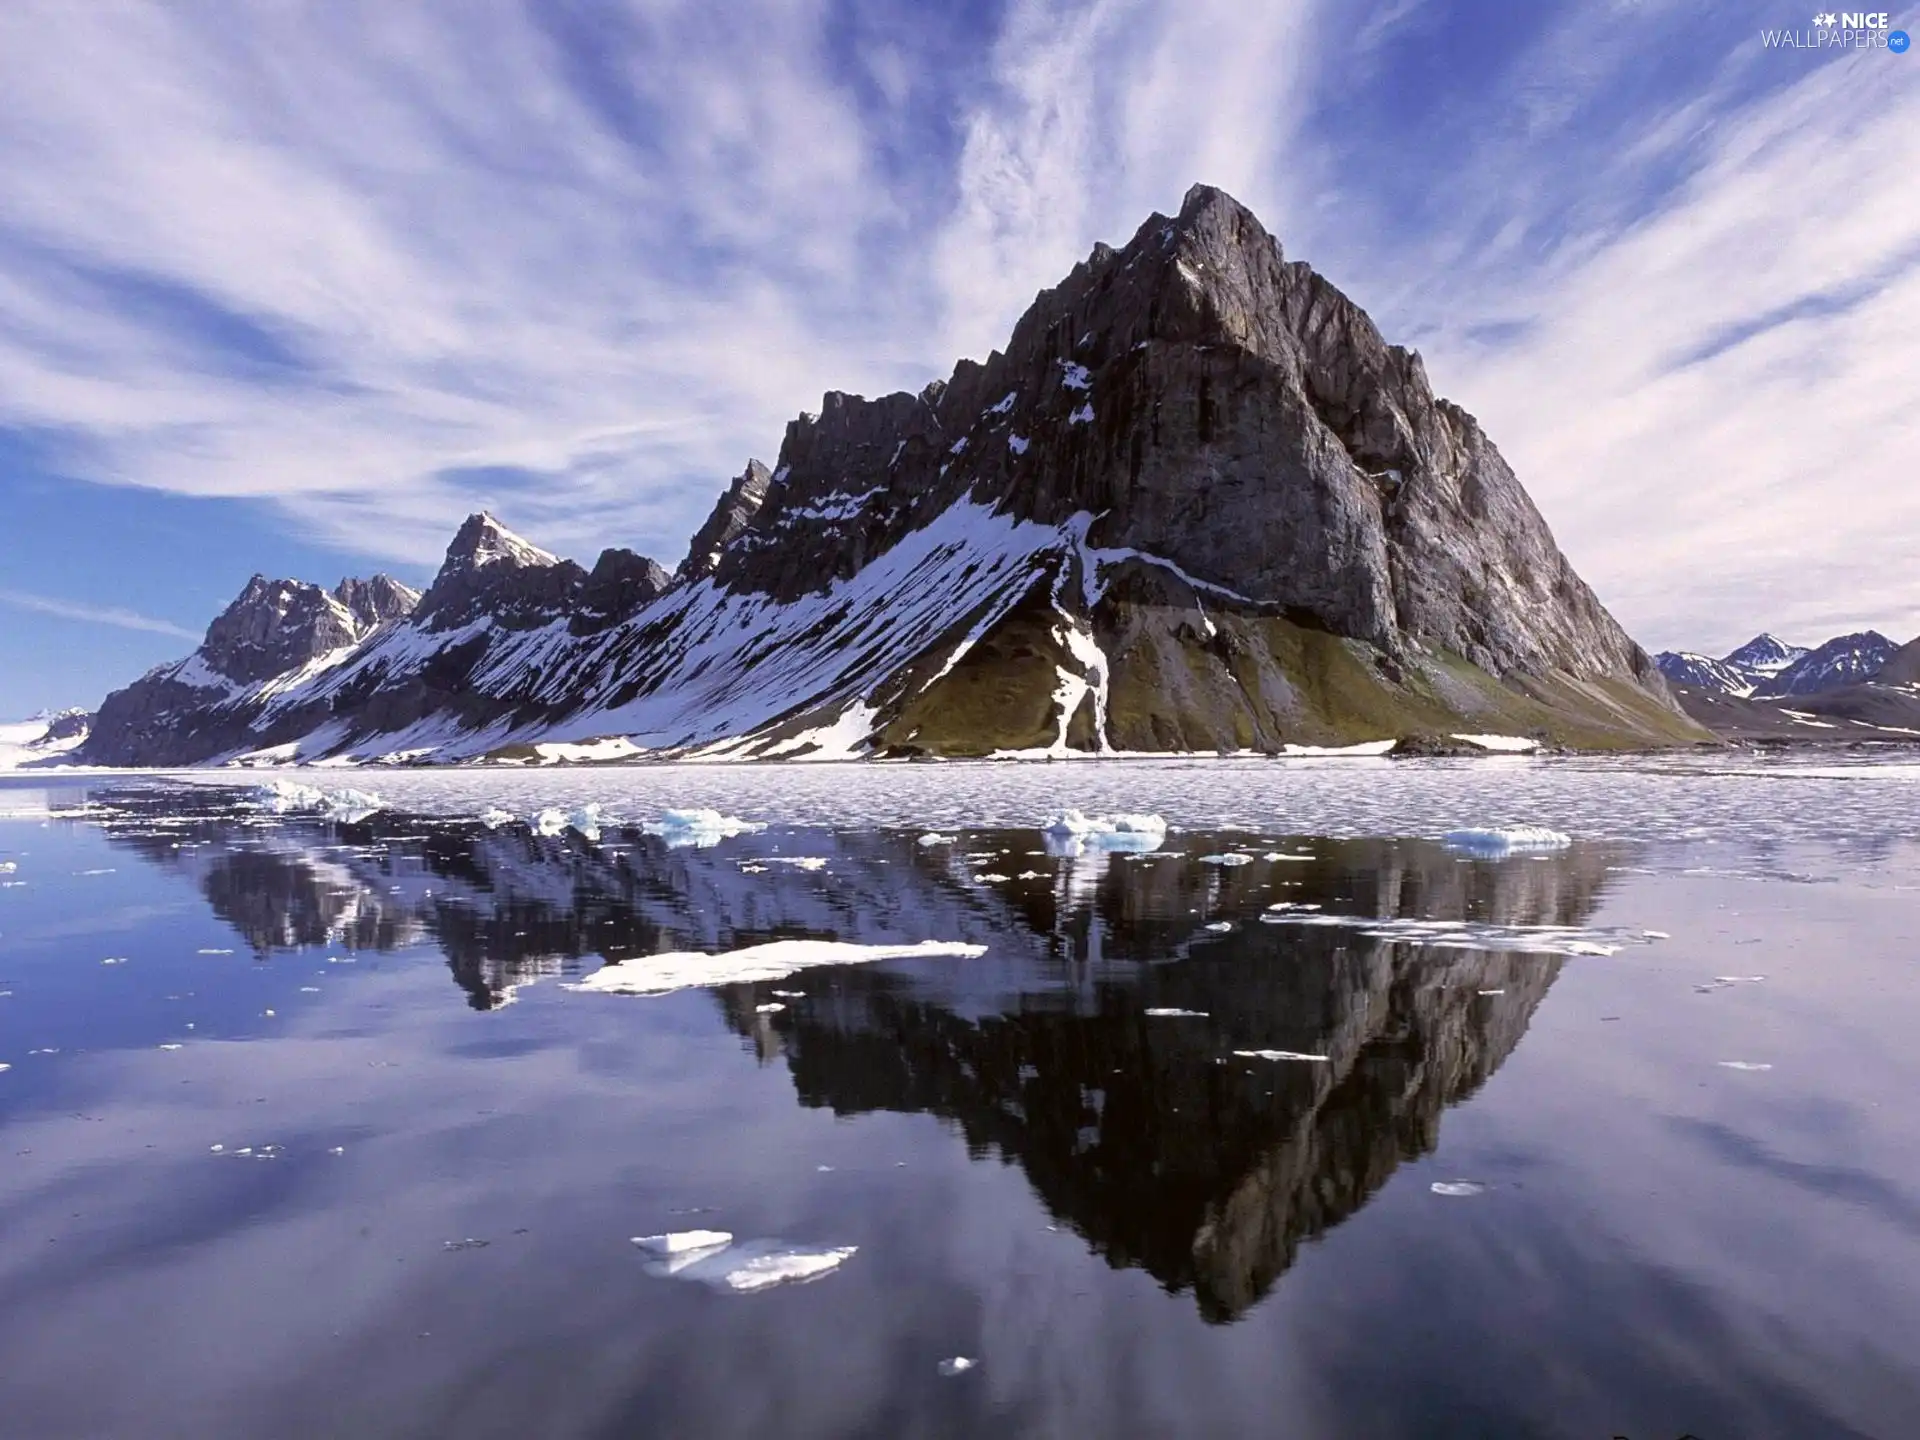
(1132,1229)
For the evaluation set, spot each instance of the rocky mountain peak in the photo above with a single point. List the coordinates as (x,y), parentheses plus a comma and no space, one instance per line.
(1765,654)
(377,600)
(736,507)
(482,540)
(620,584)
(276,625)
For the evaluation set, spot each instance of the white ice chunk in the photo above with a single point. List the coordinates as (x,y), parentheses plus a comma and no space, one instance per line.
(493,817)
(1170,1012)
(1506,842)
(1280,1055)
(1745,1065)
(699,828)
(1231,858)
(1073,832)
(798,862)
(772,1007)
(1457,1187)
(287,797)
(930,839)
(775,960)
(958,1365)
(679,1242)
(754,1265)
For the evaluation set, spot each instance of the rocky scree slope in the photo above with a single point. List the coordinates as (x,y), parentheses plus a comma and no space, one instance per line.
(1198,503)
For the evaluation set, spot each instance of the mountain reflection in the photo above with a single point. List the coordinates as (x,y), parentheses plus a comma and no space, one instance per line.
(1144,1134)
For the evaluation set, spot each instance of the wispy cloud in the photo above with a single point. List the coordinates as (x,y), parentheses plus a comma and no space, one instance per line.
(94,614)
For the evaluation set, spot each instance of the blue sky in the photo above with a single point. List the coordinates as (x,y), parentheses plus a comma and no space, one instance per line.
(292,288)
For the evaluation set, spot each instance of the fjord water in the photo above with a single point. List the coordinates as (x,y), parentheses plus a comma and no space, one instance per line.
(1133,1229)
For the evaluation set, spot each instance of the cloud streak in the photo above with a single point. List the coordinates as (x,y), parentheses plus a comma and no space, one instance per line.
(94,614)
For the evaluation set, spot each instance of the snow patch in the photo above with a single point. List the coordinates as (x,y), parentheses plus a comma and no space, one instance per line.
(1516,744)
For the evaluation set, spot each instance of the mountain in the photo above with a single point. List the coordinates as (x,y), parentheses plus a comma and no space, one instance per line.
(1765,654)
(1844,660)
(1197,504)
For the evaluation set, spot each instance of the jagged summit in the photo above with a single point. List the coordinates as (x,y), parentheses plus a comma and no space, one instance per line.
(482,540)
(1765,654)
(1197,502)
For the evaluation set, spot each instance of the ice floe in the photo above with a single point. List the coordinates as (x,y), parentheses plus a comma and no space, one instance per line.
(744,1268)
(931,839)
(1232,857)
(679,1242)
(1745,1065)
(957,1365)
(1506,842)
(798,862)
(775,960)
(1457,1187)
(1280,1055)
(1463,934)
(1169,1012)
(698,828)
(288,797)
(1073,833)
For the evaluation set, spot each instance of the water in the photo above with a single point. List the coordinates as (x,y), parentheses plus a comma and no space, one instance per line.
(433,1155)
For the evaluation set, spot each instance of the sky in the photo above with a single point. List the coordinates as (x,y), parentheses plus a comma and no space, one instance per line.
(294,287)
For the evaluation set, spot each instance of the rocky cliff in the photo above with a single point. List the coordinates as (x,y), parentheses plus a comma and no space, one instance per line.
(1198,503)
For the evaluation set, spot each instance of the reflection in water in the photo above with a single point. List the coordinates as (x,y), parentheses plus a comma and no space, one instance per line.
(1143,1133)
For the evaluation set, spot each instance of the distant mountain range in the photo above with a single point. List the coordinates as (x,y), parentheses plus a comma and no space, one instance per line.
(1198,504)
(1857,686)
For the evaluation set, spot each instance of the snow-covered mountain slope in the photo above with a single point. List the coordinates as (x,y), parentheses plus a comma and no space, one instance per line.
(1703,672)
(45,739)
(1198,504)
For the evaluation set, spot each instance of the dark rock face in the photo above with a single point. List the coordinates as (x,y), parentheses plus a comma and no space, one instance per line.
(735,509)
(376,601)
(621,584)
(275,626)
(1903,666)
(1224,410)
(66,725)
(1703,672)
(491,573)
(1765,654)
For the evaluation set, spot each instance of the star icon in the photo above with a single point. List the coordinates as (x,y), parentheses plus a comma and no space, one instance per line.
(1825,18)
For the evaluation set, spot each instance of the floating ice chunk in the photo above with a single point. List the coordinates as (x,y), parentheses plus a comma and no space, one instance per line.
(467,1244)
(798,862)
(1280,1055)
(493,817)
(213,952)
(789,994)
(1072,833)
(1490,992)
(698,828)
(1232,857)
(4,1067)
(171,1045)
(1506,842)
(7,867)
(958,1365)
(931,839)
(753,1265)
(1588,947)
(1276,856)
(1457,1187)
(775,960)
(1169,1012)
(1656,934)
(1745,1065)
(990,877)
(1220,927)
(287,797)
(114,960)
(1292,905)
(772,1007)
(1740,979)
(679,1242)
